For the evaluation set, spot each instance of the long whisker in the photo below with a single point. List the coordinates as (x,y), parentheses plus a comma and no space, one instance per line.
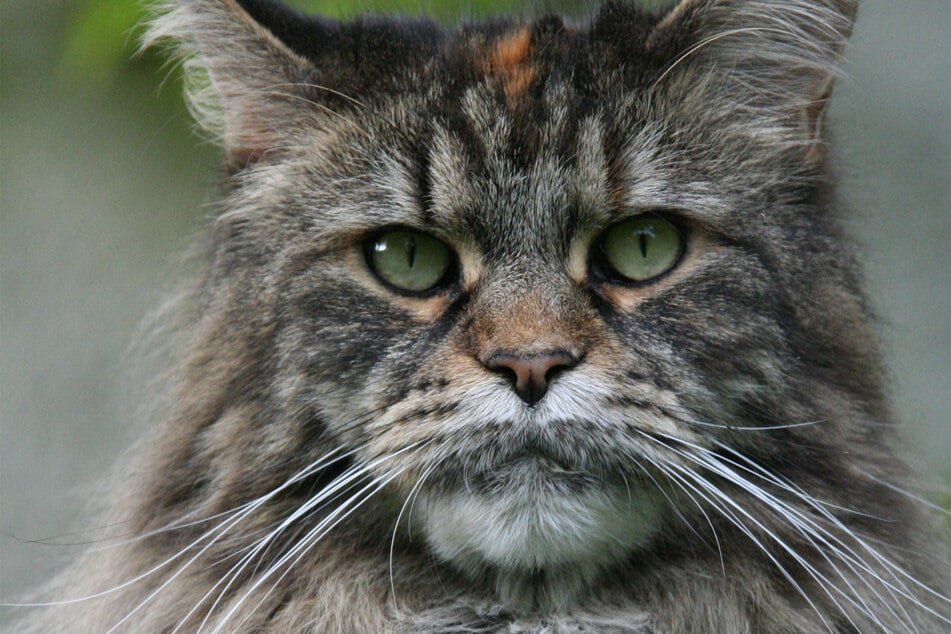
(243,509)
(329,493)
(734,517)
(729,427)
(676,510)
(823,509)
(290,559)
(826,543)
(417,487)
(894,570)
(690,480)
(222,529)
(706,42)
(907,494)
(789,516)
(321,88)
(182,522)
(340,483)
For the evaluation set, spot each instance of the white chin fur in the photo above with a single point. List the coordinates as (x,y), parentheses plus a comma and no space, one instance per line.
(532,528)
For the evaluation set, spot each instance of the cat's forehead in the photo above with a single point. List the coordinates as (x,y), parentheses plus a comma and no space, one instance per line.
(480,176)
(475,164)
(502,131)
(549,124)
(518,136)
(472,166)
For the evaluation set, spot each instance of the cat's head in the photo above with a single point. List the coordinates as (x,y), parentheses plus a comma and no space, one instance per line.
(530,274)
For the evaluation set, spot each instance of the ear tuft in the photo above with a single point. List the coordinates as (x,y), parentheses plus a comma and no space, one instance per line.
(774,60)
(243,85)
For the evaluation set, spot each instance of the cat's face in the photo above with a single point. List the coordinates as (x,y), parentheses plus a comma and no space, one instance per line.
(530,276)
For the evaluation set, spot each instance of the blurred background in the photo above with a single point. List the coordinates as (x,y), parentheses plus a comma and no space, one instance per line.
(102,183)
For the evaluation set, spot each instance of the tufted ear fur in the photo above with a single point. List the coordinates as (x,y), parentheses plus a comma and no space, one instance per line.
(770,61)
(259,74)
(240,77)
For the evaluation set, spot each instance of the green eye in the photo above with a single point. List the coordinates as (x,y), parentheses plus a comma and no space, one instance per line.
(642,248)
(409,260)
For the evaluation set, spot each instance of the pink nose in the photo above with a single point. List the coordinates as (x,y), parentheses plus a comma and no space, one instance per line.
(530,374)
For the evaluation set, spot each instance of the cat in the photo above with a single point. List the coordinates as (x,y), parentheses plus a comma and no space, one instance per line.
(517,326)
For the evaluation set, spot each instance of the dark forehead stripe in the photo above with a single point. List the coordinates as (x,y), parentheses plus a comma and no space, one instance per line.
(515,76)
(536,82)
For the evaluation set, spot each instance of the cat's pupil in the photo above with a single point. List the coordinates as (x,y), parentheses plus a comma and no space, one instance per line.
(641,248)
(408,260)
(642,241)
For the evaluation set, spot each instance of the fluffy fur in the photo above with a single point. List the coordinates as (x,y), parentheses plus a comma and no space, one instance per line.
(339,457)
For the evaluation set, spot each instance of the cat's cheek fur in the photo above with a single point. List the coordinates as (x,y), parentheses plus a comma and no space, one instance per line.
(542,543)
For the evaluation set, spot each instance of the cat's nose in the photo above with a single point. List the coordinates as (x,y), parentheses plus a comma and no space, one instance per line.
(531,374)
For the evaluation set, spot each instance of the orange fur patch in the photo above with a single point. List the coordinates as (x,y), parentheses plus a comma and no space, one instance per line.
(510,62)
(530,324)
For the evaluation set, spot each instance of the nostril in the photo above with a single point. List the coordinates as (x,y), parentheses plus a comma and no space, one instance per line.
(554,371)
(510,374)
(555,364)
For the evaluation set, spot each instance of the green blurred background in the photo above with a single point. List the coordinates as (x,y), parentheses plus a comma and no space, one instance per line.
(102,183)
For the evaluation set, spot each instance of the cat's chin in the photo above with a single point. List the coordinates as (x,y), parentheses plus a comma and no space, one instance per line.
(540,526)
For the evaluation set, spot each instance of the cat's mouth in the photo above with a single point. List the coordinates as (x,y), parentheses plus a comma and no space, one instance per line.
(538,459)
(509,458)
(532,464)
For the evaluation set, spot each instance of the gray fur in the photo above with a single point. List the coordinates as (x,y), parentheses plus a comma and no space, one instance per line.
(322,429)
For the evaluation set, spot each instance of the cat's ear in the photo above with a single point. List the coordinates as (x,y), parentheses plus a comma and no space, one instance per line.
(245,83)
(770,61)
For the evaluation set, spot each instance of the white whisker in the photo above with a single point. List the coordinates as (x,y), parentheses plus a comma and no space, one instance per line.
(907,494)
(826,543)
(221,529)
(794,519)
(823,510)
(411,496)
(321,88)
(753,427)
(341,482)
(736,521)
(338,514)
(716,538)
(706,42)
